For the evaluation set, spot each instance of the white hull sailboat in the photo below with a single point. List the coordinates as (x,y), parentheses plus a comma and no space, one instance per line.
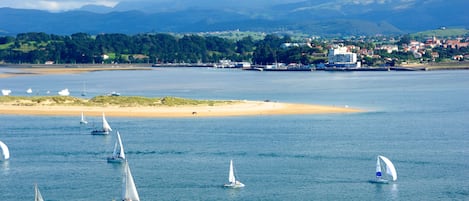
(232,178)
(384,165)
(5,153)
(83,120)
(104,130)
(37,194)
(129,190)
(6,92)
(64,92)
(118,154)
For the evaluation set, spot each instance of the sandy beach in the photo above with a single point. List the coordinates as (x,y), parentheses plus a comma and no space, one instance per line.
(241,108)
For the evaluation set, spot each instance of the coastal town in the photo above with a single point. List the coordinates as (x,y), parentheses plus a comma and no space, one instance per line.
(262,52)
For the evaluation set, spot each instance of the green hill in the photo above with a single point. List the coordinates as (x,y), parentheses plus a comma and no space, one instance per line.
(443,33)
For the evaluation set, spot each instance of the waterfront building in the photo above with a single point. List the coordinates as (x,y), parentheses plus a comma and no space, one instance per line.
(341,57)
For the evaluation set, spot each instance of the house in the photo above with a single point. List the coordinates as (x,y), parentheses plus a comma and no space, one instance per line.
(389,48)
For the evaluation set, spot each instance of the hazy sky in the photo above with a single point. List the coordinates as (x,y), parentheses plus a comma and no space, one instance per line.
(63,5)
(55,5)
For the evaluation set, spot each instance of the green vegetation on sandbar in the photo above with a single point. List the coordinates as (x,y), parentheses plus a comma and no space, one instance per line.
(121,101)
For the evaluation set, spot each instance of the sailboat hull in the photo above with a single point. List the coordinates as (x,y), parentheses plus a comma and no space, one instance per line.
(115,160)
(234,185)
(379,181)
(99,132)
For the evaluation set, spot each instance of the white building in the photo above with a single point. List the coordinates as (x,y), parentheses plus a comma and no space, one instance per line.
(341,57)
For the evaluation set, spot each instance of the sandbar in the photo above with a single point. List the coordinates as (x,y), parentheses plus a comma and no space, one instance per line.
(26,70)
(239,108)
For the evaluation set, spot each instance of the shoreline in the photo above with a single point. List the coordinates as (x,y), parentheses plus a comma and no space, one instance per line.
(242,108)
(53,69)
(11,70)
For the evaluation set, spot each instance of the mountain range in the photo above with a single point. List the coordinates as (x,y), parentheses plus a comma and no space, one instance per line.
(314,17)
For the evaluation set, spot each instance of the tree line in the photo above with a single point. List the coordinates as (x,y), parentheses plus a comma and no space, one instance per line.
(38,47)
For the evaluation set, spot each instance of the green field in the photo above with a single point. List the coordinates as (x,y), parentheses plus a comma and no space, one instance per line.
(442,33)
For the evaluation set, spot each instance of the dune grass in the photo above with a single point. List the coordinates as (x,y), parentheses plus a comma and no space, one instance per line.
(121,101)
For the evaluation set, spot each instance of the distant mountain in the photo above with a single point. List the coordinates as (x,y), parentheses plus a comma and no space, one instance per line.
(319,17)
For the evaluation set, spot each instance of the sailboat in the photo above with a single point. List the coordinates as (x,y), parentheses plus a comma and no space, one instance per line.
(118,154)
(104,130)
(83,93)
(37,194)
(383,164)
(64,92)
(129,190)
(232,178)
(6,92)
(83,121)
(5,154)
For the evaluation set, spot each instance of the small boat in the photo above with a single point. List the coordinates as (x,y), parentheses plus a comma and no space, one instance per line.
(383,164)
(104,130)
(83,92)
(114,93)
(129,190)
(118,154)
(64,92)
(37,194)
(83,120)
(6,92)
(29,91)
(5,154)
(232,178)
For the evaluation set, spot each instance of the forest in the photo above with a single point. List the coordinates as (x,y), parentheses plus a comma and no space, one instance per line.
(39,48)
(83,48)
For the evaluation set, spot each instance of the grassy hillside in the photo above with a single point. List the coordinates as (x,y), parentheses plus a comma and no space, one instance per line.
(442,33)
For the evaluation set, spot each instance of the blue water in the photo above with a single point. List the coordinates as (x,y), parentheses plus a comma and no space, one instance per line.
(420,120)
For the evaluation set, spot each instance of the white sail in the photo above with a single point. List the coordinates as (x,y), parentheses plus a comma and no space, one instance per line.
(115,153)
(233,183)
(83,120)
(129,190)
(121,147)
(389,167)
(37,194)
(106,126)
(231,176)
(5,152)
(378,167)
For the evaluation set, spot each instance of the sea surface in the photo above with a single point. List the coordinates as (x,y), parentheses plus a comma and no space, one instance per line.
(419,120)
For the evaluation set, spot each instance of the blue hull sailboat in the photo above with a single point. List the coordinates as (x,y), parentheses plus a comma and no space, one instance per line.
(384,165)
(118,155)
(106,128)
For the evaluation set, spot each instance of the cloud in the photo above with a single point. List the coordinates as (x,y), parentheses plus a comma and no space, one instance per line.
(55,5)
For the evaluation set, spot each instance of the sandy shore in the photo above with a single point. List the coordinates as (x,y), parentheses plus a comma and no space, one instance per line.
(61,69)
(243,108)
